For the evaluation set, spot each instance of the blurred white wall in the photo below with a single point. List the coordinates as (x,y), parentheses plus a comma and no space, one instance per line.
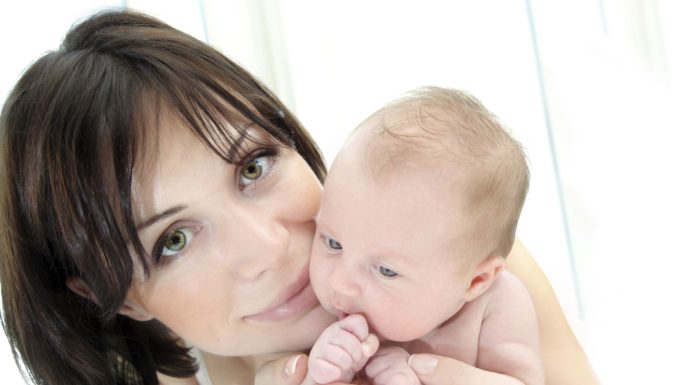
(600,93)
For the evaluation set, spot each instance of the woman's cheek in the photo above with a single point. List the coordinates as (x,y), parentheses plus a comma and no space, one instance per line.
(305,189)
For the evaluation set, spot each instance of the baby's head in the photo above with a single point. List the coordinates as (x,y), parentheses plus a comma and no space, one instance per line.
(419,210)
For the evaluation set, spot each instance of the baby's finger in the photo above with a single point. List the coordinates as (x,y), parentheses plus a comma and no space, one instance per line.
(356,325)
(395,377)
(323,371)
(346,341)
(338,355)
(385,359)
(376,366)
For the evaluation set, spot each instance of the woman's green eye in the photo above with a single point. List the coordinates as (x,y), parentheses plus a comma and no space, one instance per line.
(176,241)
(254,169)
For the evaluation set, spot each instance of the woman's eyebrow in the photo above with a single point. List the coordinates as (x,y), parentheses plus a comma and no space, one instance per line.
(160,217)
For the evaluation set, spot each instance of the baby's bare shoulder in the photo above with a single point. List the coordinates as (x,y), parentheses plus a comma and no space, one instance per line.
(507,281)
(507,291)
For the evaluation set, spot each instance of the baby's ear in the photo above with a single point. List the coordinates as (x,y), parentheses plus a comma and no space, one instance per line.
(484,276)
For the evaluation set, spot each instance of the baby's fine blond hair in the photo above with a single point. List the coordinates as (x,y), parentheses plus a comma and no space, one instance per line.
(433,124)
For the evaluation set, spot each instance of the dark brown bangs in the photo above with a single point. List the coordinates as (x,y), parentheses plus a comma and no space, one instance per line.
(209,113)
(214,97)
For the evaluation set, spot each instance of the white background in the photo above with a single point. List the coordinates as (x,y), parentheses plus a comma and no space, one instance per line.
(600,92)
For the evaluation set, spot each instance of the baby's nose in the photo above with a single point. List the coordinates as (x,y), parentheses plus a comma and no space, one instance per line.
(343,284)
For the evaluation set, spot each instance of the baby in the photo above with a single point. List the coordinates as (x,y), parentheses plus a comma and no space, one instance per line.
(418,213)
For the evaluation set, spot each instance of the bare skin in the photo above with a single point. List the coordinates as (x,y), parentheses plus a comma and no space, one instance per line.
(564,360)
(412,274)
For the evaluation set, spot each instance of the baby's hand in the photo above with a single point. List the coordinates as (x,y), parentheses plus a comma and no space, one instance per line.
(341,350)
(390,367)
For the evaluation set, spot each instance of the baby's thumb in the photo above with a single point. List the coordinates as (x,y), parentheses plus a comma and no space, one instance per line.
(370,345)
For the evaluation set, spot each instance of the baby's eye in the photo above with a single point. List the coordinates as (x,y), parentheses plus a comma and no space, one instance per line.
(254,169)
(332,243)
(387,272)
(176,241)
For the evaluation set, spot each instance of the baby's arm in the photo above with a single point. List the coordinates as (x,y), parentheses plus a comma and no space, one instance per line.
(509,339)
(340,351)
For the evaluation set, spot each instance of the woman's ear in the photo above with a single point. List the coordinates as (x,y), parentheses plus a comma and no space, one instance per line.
(79,287)
(484,276)
(129,308)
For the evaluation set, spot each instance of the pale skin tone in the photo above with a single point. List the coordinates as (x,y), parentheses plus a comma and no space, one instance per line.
(389,251)
(210,293)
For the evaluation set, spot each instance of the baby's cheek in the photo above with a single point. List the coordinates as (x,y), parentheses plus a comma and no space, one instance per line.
(390,322)
(318,275)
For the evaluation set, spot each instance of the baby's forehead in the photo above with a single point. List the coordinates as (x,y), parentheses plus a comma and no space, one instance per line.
(391,147)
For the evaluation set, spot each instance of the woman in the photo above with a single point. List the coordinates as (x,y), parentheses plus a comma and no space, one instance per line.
(156,197)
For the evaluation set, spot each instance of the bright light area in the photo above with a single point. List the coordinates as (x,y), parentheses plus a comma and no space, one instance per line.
(601,93)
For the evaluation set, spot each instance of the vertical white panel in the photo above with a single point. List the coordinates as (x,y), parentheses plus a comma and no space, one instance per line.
(621,89)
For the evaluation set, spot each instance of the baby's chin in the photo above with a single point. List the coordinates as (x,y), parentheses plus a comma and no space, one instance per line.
(382,333)
(392,334)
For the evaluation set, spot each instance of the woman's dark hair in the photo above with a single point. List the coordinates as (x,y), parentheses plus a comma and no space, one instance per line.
(72,133)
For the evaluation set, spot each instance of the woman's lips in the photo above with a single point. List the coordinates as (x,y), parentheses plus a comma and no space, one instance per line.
(298,299)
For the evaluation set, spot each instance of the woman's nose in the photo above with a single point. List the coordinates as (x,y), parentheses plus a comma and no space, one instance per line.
(258,242)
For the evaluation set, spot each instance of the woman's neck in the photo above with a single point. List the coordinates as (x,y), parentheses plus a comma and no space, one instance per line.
(236,370)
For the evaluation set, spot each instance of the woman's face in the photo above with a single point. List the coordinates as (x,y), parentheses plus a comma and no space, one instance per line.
(231,244)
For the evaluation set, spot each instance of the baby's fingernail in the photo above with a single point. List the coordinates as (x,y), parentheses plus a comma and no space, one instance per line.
(370,345)
(422,363)
(291,365)
(367,349)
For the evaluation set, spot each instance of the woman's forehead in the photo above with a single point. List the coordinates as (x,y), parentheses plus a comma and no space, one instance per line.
(176,159)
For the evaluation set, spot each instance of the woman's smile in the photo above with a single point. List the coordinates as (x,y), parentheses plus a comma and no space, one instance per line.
(297,299)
